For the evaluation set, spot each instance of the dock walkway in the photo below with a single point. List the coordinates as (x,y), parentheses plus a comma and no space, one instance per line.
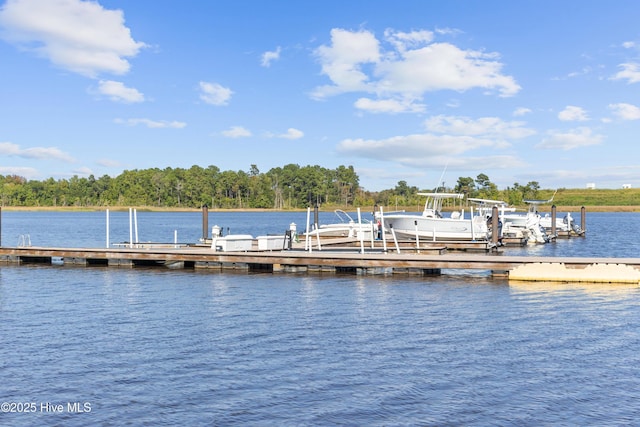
(354,261)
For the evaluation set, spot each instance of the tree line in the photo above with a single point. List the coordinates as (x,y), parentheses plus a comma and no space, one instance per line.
(288,187)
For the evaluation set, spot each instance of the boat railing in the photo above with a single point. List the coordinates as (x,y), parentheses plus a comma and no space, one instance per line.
(344,217)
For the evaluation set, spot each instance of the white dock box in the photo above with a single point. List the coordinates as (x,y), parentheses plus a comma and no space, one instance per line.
(233,243)
(266,243)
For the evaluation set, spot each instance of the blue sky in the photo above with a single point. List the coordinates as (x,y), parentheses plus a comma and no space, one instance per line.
(545,91)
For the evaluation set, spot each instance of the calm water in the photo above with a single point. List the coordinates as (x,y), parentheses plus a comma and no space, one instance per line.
(171,347)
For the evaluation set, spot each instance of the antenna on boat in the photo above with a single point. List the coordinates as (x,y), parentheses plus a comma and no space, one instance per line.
(442,176)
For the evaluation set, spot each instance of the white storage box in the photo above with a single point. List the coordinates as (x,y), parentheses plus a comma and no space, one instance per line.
(266,243)
(233,243)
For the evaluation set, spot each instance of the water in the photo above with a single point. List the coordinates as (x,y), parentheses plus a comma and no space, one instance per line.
(172,347)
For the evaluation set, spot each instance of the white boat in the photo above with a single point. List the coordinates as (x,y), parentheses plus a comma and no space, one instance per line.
(565,224)
(484,209)
(432,225)
(529,224)
(514,224)
(346,227)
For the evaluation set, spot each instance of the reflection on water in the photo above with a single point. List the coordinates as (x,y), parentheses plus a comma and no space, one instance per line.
(604,290)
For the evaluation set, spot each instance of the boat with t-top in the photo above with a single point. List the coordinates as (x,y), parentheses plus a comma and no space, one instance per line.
(433,225)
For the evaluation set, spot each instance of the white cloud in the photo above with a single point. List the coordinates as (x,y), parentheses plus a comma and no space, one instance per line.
(411,66)
(448,31)
(428,150)
(269,57)
(151,123)
(46,153)
(108,163)
(630,72)
(443,66)
(9,149)
(403,41)
(389,106)
(572,113)
(625,111)
(292,133)
(215,94)
(449,140)
(521,111)
(237,132)
(117,91)
(488,127)
(39,153)
(583,72)
(453,103)
(25,172)
(83,171)
(575,138)
(408,148)
(79,36)
(342,61)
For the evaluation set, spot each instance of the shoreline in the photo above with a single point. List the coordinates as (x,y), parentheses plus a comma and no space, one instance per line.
(545,209)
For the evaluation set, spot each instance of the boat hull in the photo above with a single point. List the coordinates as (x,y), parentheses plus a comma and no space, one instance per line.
(416,226)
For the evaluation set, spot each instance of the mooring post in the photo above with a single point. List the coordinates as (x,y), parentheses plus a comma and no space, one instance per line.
(553,220)
(315,215)
(307,238)
(384,235)
(205,222)
(494,225)
(135,222)
(361,233)
(0,226)
(583,220)
(107,231)
(130,227)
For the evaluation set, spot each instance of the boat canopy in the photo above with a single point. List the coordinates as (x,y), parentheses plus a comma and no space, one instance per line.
(540,202)
(443,195)
(537,202)
(487,201)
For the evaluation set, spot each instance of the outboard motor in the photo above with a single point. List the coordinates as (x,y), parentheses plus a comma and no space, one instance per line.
(571,225)
(536,231)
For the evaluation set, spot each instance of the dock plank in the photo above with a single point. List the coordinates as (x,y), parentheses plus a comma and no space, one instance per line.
(324,259)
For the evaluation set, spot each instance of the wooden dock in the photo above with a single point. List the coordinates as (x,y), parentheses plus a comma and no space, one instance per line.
(352,261)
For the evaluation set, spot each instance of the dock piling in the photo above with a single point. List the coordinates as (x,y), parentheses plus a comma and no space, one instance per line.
(205,222)
(494,225)
(382,231)
(107,230)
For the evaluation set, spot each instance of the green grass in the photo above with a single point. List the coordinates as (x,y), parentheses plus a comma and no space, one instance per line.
(629,197)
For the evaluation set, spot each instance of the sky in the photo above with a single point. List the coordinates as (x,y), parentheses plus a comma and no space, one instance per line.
(418,91)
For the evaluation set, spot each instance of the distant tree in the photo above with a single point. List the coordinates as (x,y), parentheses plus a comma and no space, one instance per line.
(466,185)
(486,188)
(402,189)
(482,180)
(532,188)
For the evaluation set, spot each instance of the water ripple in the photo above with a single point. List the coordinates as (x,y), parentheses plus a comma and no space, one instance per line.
(155,347)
